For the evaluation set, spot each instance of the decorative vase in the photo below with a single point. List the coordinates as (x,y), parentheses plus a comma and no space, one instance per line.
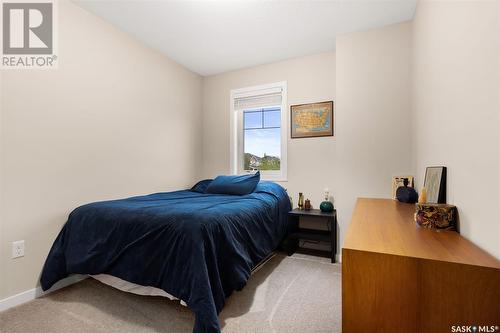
(406,194)
(326,206)
(301,201)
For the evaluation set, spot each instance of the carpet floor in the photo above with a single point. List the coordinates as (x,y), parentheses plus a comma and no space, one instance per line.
(288,294)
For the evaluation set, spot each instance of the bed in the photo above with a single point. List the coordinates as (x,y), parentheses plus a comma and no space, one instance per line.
(194,246)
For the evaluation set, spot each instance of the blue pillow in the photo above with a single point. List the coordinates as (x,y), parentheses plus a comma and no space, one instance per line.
(201,186)
(235,185)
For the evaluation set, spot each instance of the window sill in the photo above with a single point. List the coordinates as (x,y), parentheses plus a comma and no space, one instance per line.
(280,180)
(264,177)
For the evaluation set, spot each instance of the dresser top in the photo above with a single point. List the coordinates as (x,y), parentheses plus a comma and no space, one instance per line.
(388,226)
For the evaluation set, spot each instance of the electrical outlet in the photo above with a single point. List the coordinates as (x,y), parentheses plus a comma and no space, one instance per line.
(17,249)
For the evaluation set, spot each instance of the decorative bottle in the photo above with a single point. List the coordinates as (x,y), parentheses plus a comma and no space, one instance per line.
(300,203)
(326,206)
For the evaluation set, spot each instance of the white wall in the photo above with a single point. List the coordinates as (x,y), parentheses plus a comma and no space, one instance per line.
(407,96)
(457,107)
(309,79)
(369,79)
(374,140)
(115,119)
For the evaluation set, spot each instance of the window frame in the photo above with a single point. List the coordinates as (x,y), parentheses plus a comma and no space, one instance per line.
(236,151)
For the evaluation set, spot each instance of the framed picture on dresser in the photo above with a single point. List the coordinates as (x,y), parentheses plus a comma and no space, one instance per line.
(435,184)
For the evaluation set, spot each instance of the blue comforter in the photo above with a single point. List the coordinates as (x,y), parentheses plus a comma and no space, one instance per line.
(197,247)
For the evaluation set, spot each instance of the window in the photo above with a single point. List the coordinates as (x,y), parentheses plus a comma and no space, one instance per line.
(259,131)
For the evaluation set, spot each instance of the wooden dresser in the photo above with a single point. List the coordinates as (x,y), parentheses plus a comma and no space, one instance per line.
(398,277)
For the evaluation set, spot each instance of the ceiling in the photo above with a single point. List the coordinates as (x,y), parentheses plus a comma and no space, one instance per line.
(211,37)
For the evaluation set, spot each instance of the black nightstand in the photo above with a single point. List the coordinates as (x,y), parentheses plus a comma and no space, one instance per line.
(292,243)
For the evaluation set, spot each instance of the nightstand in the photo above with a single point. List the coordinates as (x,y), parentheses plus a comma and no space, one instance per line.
(329,235)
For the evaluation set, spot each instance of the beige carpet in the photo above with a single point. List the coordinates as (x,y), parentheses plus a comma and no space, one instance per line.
(288,294)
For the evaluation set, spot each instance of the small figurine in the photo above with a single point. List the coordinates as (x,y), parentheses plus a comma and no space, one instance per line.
(307,205)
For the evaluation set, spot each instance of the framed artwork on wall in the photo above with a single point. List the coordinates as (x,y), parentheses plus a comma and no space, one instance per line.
(435,184)
(312,120)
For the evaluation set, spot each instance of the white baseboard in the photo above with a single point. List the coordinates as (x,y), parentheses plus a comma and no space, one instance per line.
(31,294)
